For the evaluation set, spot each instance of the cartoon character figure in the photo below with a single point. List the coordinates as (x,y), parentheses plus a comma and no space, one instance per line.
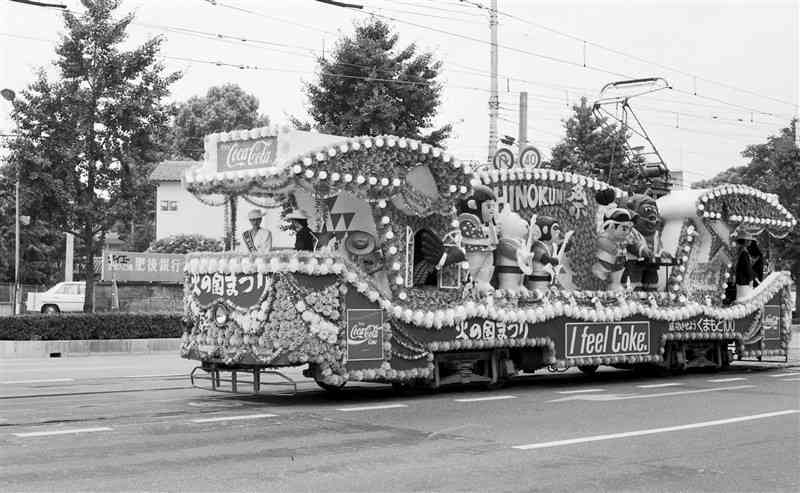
(749,263)
(544,254)
(612,243)
(477,222)
(646,248)
(512,259)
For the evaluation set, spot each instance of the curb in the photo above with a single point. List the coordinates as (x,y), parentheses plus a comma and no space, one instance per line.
(66,349)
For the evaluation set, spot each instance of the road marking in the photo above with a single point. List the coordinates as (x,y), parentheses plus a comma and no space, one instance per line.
(791,380)
(778,375)
(480,399)
(44,380)
(154,376)
(653,431)
(659,385)
(623,397)
(723,380)
(580,391)
(60,432)
(371,408)
(233,418)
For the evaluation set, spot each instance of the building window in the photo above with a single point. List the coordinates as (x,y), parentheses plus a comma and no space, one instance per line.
(173,205)
(165,205)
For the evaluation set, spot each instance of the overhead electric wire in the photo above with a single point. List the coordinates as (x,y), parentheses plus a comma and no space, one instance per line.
(579,39)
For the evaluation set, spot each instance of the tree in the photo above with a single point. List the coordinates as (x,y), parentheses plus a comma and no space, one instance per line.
(371,87)
(186,244)
(222,109)
(89,135)
(774,167)
(594,147)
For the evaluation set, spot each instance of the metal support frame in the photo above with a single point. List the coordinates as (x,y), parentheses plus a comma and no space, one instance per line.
(214,376)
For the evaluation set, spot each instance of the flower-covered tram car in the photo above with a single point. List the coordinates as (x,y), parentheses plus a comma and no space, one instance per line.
(424,273)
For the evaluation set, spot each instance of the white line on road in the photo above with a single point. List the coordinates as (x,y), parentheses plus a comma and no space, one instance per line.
(653,431)
(43,380)
(624,397)
(155,376)
(723,380)
(659,385)
(60,432)
(580,391)
(371,408)
(791,380)
(480,399)
(778,375)
(233,418)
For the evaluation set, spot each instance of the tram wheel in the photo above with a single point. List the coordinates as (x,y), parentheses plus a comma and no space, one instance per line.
(588,369)
(331,388)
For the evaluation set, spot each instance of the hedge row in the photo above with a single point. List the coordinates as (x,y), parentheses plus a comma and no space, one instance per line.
(76,326)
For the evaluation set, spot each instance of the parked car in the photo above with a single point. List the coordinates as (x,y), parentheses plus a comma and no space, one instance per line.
(63,297)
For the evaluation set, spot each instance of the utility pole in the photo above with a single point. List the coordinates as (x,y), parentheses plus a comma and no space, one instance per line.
(494,100)
(523,119)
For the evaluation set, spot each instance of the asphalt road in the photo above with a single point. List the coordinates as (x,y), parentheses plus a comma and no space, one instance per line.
(132,423)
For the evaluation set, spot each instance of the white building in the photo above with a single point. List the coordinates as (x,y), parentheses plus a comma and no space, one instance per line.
(180,212)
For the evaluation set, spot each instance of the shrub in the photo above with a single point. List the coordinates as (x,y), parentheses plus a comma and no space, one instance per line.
(185,244)
(76,326)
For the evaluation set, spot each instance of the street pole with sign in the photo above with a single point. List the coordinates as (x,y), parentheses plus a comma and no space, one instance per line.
(9,95)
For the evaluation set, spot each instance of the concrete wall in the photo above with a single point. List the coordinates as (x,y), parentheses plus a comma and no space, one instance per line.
(64,349)
(142,297)
(190,216)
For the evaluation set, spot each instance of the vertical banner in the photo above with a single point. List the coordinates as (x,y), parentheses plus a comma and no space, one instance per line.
(364,335)
(409,272)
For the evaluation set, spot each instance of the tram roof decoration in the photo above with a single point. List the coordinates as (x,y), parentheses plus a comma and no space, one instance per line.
(748,207)
(269,161)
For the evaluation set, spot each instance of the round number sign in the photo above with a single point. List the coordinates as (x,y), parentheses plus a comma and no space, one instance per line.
(530,157)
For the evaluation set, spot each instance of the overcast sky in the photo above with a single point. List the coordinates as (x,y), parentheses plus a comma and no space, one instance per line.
(741,59)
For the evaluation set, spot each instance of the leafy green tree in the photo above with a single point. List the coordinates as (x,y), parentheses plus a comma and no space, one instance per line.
(186,244)
(222,109)
(370,86)
(89,135)
(594,147)
(774,167)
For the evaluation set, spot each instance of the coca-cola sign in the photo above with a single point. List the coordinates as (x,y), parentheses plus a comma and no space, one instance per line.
(236,155)
(364,335)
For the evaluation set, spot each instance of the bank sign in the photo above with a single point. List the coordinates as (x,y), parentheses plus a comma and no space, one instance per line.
(607,339)
(237,155)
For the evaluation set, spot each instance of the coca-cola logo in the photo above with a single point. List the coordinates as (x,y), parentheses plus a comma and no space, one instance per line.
(364,333)
(247,154)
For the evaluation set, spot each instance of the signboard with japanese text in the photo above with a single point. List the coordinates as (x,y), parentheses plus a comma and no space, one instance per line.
(490,330)
(242,291)
(592,339)
(364,335)
(142,266)
(237,155)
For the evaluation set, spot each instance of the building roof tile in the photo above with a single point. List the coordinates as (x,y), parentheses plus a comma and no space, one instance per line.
(171,170)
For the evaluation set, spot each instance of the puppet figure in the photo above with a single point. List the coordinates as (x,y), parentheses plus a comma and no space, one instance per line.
(477,222)
(646,249)
(512,259)
(612,243)
(544,255)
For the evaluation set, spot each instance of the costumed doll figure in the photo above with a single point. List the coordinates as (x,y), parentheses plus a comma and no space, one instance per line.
(646,246)
(543,252)
(512,259)
(477,222)
(745,276)
(612,243)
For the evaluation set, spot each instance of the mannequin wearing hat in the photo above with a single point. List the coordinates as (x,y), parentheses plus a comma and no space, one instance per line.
(256,239)
(749,264)
(304,239)
(612,243)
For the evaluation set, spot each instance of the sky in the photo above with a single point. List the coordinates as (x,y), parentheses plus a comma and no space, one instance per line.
(733,66)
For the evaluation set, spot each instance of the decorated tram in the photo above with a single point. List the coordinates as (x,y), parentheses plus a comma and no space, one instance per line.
(425,273)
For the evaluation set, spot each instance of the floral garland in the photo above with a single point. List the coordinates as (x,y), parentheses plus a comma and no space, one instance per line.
(746,205)
(686,244)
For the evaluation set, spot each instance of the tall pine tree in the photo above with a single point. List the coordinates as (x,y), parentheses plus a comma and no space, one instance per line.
(370,86)
(89,135)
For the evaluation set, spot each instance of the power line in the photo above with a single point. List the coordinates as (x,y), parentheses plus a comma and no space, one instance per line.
(795,106)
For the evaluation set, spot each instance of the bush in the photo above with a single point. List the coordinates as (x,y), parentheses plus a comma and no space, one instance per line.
(77,326)
(185,244)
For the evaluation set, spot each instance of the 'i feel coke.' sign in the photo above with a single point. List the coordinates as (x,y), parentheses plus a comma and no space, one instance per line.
(607,339)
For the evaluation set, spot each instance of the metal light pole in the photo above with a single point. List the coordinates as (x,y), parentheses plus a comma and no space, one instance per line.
(9,95)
